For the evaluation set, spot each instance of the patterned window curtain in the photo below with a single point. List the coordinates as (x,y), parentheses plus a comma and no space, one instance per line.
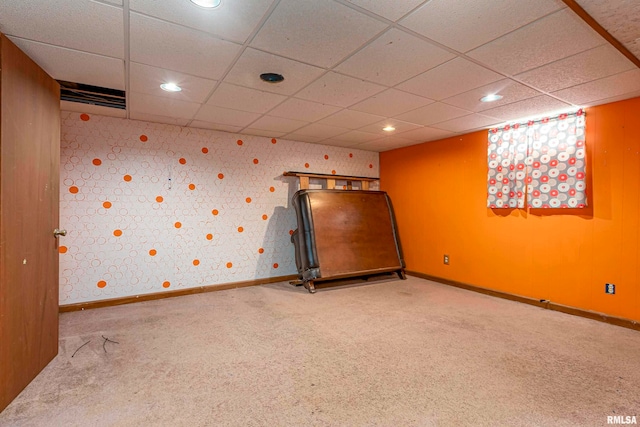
(541,160)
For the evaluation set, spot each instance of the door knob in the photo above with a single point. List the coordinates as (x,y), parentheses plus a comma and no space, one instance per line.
(57,232)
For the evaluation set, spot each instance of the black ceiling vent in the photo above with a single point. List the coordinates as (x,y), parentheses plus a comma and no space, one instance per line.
(94,95)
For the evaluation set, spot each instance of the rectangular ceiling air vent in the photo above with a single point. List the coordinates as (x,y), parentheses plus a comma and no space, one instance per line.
(94,95)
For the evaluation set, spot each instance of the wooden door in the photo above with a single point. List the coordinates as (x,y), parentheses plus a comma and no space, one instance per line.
(29,195)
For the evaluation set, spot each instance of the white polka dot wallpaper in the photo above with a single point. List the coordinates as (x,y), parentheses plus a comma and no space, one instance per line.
(151,207)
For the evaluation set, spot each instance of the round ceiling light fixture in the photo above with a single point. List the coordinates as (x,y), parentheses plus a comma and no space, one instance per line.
(490,98)
(170,87)
(271,77)
(388,128)
(208,4)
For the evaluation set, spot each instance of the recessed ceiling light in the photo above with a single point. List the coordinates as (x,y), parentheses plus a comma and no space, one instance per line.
(271,77)
(491,98)
(170,87)
(209,4)
(388,128)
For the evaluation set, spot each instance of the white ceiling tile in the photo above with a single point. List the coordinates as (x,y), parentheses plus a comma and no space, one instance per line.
(199,124)
(339,90)
(426,134)
(592,64)
(252,63)
(232,20)
(320,32)
(225,116)
(538,106)
(386,144)
(338,143)
(75,24)
(608,87)
(379,61)
(433,113)
(147,79)
(185,50)
(303,138)
(161,106)
(626,95)
(321,131)
(451,78)
(299,109)
(620,18)
(115,2)
(350,119)
(390,103)
(92,109)
(468,123)
(75,66)
(399,125)
(278,124)
(357,137)
(265,133)
(392,10)
(477,22)
(549,39)
(511,91)
(244,99)
(158,119)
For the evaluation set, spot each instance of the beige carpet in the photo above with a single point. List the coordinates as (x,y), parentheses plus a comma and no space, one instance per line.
(387,353)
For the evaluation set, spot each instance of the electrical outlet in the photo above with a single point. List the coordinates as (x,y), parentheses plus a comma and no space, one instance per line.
(446,259)
(609,288)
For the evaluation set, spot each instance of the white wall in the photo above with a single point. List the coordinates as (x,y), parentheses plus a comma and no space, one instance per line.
(98,201)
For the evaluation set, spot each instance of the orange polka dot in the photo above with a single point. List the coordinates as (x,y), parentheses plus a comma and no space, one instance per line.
(183,161)
(209,236)
(306,165)
(248,200)
(229,265)
(350,154)
(102,284)
(256,161)
(106,205)
(214,212)
(240,229)
(239,142)
(205,150)
(117,233)
(333,172)
(264,217)
(290,232)
(370,166)
(273,140)
(73,190)
(196,262)
(153,252)
(144,138)
(127,178)
(220,176)
(326,157)
(97,162)
(178,224)
(159,199)
(272,189)
(260,251)
(84,117)
(192,186)
(62,249)
(275,265)
(166,284)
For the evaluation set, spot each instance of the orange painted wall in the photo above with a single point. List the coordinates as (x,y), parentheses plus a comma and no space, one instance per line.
(566,256)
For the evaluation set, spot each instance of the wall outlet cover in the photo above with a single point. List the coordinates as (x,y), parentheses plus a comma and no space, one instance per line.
(609,288)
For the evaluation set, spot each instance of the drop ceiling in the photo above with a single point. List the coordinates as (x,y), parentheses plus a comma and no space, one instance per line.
(351,67)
